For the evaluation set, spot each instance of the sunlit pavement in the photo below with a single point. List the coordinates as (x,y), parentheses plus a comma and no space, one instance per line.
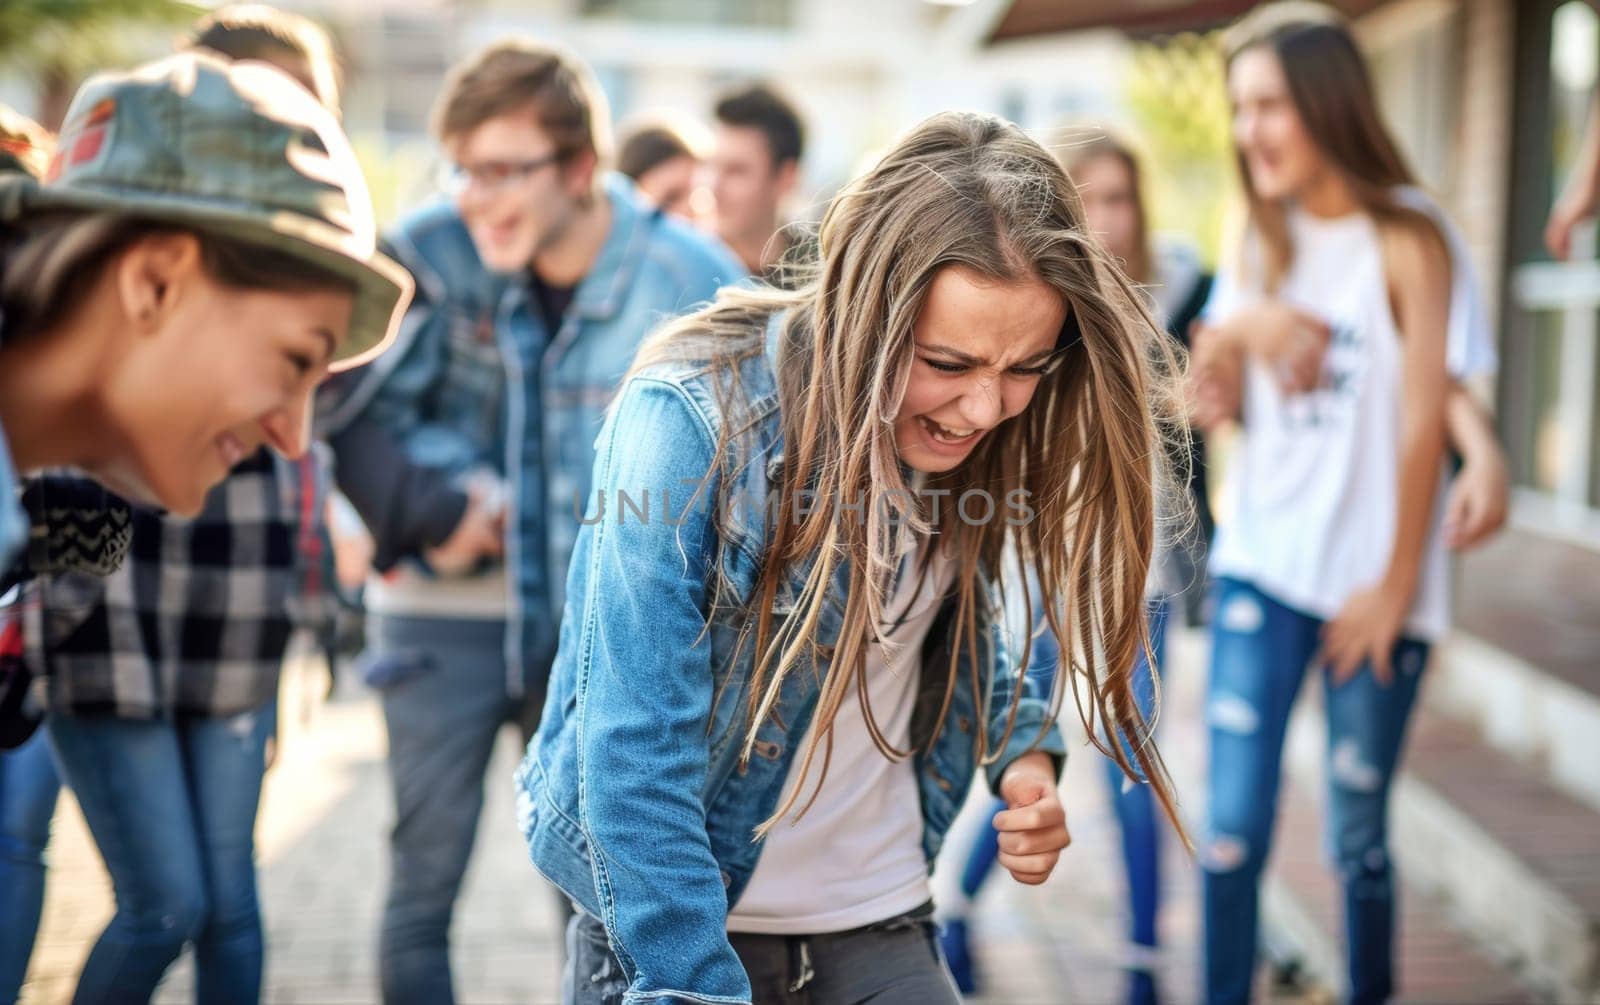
(323,859)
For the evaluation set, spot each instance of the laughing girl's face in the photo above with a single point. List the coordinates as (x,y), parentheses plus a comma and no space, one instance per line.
(208,373)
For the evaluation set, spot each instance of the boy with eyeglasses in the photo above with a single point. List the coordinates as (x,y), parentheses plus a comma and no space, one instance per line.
(468,449)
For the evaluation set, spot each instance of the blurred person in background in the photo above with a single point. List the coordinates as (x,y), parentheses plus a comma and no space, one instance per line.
(162,677)
(754,169)
(1581,196)
(1347,312)
(1175,286)
(665,161)
(468,450)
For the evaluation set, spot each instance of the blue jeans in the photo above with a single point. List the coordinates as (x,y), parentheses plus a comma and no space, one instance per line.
(172,807)
(28,788)
(1261,651)
(1137,815)
(444,702)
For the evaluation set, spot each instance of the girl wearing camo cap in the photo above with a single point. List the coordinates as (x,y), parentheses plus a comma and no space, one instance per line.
(200,254)
(163,675)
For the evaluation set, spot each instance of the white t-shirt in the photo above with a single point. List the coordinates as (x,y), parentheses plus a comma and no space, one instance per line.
(1469,347)
(1314,486)
(1469,335)
(856,857)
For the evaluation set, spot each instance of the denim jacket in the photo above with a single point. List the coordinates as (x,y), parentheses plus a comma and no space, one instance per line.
(632,798)
(476,381)
(13,522)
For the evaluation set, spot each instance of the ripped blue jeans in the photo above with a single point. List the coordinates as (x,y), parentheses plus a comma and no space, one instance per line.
(1261,650)
(172,807)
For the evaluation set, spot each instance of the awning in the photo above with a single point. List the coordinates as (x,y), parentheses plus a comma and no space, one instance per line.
(1031,18)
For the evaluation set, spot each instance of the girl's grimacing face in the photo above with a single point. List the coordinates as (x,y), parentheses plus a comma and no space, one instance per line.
(981,348)
(1277,150)
(217,373)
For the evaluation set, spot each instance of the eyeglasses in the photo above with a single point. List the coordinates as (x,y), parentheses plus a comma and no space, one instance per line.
(492,176)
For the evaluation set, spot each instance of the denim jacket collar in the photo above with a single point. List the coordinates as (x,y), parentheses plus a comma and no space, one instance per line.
(600,295)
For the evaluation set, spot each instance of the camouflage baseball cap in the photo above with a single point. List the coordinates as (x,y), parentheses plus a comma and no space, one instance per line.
(234,149)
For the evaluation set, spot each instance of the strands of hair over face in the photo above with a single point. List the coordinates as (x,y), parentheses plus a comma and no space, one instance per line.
(971,190)
(1332,93)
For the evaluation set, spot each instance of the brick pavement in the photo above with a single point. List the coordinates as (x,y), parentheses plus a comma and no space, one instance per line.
(323,858)
(325,810)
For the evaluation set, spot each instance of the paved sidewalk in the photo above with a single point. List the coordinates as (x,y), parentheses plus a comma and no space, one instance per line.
(323,861)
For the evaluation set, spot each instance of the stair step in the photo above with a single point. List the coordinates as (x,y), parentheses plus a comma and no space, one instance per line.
(1515,857)
(1541,719)
(1537,599)
(1524,663)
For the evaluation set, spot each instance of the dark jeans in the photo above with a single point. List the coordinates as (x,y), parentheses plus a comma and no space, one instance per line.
(889,962)
(444,703)
(28,788)
(1261,651)
(172,807)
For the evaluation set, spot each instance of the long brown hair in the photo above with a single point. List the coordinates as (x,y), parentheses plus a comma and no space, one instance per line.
(973,190)
(1140,265)
(1332,93)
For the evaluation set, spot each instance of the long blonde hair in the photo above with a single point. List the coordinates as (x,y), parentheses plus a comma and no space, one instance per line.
(971,190)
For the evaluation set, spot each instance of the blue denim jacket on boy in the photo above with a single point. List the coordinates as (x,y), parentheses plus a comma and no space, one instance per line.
(455,390)
(13,522)
(632,797)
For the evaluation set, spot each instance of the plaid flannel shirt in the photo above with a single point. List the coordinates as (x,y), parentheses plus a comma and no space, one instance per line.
(198,619)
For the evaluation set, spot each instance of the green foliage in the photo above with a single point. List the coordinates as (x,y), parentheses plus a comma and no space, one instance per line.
(399,174)
(60,41)
(1176,94)
(31,28)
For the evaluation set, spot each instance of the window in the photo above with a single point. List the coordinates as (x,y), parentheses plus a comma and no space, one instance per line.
(1574,60)
(734,13)
(1551,369)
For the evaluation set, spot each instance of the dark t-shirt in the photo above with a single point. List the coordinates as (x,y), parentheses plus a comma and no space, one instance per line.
(552,301)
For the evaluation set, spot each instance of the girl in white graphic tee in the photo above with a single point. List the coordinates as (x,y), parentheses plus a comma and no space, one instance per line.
(1349,307)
